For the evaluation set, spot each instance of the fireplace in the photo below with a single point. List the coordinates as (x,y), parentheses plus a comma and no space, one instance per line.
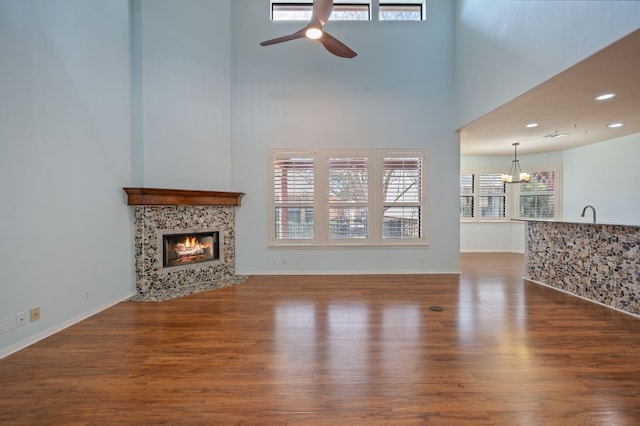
(184,241)
(188,248)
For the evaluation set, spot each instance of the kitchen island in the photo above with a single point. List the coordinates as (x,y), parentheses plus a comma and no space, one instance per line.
(597,262)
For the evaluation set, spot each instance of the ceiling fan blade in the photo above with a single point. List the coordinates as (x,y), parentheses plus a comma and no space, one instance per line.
(296,35)
(322,10)
(335,46)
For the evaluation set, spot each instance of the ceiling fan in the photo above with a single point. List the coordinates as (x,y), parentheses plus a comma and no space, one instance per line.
(314,31)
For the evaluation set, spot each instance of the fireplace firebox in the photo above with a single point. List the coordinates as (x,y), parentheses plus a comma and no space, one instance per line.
(191,247)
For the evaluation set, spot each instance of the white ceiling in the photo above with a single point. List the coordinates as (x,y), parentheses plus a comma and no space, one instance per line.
(565,104)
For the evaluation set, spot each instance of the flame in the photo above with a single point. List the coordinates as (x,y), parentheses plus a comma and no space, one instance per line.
(191,242)
(189,246)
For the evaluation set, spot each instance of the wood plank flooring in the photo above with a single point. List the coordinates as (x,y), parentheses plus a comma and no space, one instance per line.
(339,350)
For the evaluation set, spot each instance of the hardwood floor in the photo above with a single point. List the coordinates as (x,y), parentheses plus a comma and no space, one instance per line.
(348,350)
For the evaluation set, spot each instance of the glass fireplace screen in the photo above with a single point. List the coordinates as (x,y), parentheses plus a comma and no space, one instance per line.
(188,248)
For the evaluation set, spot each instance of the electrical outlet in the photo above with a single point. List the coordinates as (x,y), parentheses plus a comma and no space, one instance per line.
(34,314)
(21,319)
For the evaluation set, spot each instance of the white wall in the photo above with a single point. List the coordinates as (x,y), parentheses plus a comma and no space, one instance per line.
(604,175)
(398,92)
(65,154)
(505,47)
(184,118)
(479,237)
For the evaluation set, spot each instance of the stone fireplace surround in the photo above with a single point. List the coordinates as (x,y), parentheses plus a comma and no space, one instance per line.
(168,211)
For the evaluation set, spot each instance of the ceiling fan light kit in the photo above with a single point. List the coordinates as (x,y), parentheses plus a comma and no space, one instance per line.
(314,30)
(313,33)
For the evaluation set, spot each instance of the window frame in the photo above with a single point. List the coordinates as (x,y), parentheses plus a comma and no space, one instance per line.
(325,215)
(375,203)
(284,205)
(477,195)
(471,195)
(303,6)
(388,5)
(557,192)
(373,9)
(421,204)
(512,194)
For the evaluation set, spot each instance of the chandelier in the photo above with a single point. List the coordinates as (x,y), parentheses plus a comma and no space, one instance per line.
(516,175)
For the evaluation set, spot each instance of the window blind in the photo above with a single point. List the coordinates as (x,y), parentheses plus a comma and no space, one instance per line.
(538,196)
(402,194)
(293,195)
(467,182)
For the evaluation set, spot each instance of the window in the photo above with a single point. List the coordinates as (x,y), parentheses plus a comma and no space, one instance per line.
(402,196)
(467,198)
(293,195)
(482,195)
(348,198)
(400,12)
(349,11)
(338,197)
(302,12)
(492,196)
(538,196)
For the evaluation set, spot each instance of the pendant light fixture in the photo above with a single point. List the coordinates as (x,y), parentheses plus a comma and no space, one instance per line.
(516,175)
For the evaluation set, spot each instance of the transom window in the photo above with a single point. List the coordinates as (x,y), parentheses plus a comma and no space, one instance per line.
(401,12)
(350,11)
(302,12)
(363,197)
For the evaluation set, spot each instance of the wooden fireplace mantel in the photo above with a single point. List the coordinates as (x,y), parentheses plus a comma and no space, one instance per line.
(173,197)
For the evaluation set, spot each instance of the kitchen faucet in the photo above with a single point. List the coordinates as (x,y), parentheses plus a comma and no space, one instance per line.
(592,208)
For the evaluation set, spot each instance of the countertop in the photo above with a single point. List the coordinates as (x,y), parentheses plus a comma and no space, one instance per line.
(576,223)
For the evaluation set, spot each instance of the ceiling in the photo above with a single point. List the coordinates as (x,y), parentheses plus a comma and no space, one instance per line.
(566,104)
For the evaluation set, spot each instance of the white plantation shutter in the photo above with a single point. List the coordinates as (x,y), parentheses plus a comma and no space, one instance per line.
(484,197)
(348,197)
(349,180)
(293,197)
(402,196)
(538,196)
(492,196)
(467,195)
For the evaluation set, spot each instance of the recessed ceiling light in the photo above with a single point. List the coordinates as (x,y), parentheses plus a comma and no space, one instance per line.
(605,96)
(614,125)
(531,125)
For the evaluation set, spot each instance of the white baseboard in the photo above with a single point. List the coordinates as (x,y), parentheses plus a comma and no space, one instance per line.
(384,272)
(4,352)
(492,251)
